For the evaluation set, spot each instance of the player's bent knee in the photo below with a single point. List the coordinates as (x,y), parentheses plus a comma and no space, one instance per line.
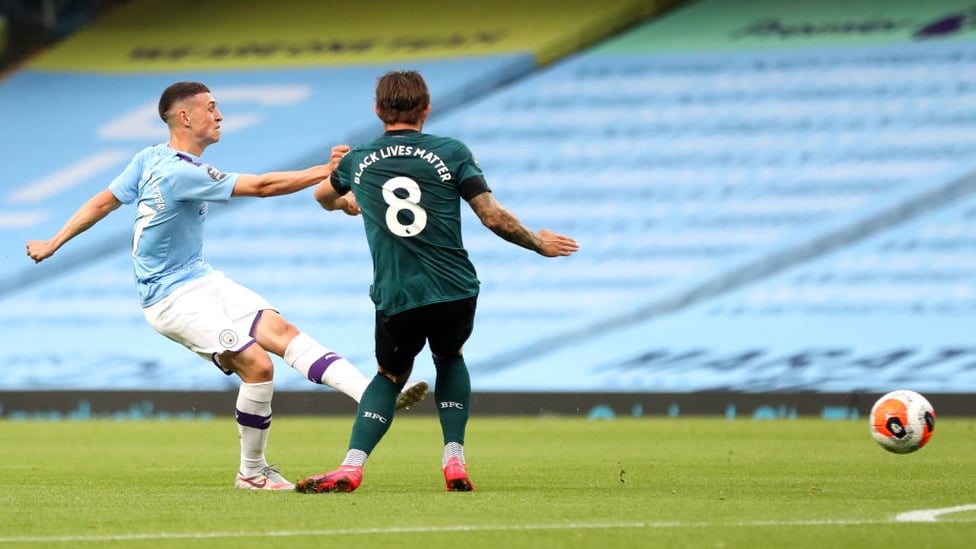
(399,378)
(253,365)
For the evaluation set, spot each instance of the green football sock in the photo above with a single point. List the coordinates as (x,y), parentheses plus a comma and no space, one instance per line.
(375,414)
(452,394)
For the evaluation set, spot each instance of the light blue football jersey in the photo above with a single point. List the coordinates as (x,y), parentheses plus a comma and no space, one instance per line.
(171,190)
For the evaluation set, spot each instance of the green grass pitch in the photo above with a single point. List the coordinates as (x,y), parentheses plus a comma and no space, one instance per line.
(541,482)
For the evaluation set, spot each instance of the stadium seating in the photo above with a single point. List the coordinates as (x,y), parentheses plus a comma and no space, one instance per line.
(686,177)
(812,207)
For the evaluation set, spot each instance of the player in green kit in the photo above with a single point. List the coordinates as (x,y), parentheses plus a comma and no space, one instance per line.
(408,186)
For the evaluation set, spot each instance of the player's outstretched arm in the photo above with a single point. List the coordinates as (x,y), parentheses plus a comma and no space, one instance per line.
(504,223)
(84,218)
(279,183)
(287,182)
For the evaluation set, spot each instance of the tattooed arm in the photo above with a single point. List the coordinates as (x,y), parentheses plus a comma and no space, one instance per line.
(506,225)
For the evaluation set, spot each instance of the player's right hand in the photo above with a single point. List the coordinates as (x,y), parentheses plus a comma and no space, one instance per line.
(39,250)
(351,207)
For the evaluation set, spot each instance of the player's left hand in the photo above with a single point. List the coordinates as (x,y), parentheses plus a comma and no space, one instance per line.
(555,245)
(336,155)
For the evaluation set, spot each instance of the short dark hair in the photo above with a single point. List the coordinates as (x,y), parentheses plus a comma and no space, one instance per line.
(178,92)
(401,96)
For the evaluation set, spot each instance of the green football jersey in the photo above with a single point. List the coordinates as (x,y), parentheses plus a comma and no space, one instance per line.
(409,187)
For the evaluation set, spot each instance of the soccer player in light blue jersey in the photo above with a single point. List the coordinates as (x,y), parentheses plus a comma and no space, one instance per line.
(185,299)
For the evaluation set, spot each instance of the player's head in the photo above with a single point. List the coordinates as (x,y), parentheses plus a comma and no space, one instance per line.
(177,93)
(402,97)
(190,109)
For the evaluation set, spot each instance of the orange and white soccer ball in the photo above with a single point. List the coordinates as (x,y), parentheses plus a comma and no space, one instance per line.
(902,421)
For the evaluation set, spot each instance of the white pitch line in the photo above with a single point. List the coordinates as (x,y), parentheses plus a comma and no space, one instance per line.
(474,528)
(932,515)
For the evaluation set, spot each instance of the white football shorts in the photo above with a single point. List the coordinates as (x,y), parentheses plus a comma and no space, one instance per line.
(208,316)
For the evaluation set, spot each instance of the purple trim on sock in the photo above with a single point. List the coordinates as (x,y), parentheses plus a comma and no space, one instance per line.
(318,368)
(253,420)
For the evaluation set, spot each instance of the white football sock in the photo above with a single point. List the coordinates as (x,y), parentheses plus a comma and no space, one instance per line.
(253,423)
(452,449)
(322,365)
(355,457)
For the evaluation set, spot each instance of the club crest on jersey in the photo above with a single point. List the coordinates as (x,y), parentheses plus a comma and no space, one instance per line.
(215,174)
(228,338)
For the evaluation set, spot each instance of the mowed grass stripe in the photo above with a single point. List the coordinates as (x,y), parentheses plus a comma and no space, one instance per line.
(542,482)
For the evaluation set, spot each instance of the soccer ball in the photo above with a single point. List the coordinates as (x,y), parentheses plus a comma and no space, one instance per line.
(902,421)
